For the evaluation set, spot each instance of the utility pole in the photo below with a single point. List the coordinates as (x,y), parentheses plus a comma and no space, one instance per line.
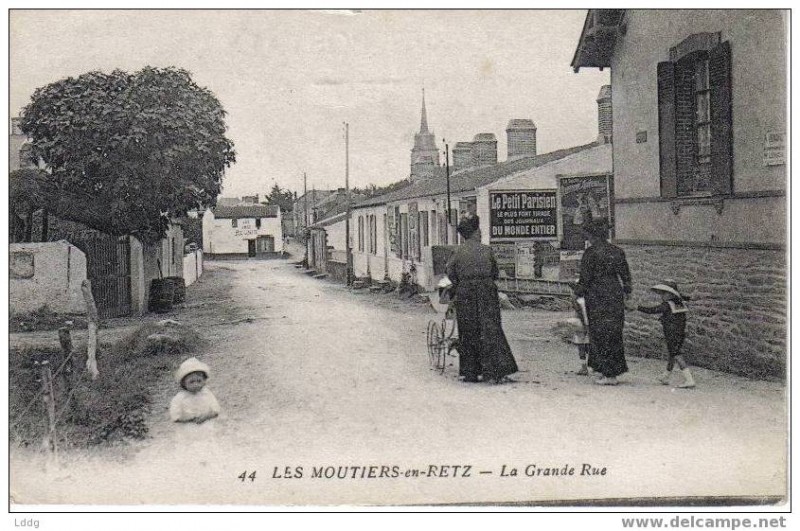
(347,194)
(305,220)
(447,174)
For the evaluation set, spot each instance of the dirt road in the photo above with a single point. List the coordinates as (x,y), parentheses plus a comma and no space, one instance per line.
(329,399)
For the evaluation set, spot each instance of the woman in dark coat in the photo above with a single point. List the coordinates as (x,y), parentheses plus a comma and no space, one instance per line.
(605,283)
(483,348)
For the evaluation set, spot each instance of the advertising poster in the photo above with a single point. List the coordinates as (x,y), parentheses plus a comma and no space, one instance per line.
(582,198)
(523,215)
(506,256)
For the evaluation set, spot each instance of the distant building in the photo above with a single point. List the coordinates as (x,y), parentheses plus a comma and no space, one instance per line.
(243,230)
(305,212)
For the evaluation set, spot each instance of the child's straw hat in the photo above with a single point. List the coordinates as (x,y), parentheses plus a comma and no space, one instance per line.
(668,286)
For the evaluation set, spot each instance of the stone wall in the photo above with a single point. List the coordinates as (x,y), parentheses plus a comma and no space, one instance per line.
(738,308)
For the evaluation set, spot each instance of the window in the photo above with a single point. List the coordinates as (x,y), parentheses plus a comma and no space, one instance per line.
(234,223)
(373,234)
(21,265)
(695,118)
(258,223)
(361,233)
(423,229)
(404,235)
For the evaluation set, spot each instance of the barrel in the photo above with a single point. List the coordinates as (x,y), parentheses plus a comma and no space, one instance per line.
(180,289)
(162,293)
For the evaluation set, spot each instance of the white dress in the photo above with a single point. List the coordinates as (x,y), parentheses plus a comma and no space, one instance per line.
(184,408)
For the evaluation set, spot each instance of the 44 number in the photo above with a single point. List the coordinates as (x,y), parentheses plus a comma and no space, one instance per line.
(245,476)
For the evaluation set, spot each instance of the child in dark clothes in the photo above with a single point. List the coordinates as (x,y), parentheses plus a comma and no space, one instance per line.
(673,318)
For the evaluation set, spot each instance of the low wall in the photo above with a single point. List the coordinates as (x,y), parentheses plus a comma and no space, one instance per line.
(46,274)
(192,266)
(737,319)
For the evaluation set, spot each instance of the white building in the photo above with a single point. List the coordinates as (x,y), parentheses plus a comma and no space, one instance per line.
(244,230)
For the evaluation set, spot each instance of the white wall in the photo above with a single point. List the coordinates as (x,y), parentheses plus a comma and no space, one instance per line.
(192,266)
(220,237)
(385,262)
(57,272)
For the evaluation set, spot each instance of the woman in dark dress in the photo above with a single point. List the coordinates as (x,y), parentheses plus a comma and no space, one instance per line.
(483,348)
(605,283)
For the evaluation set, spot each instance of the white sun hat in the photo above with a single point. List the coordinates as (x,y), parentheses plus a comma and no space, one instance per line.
(189,366)
(669,286)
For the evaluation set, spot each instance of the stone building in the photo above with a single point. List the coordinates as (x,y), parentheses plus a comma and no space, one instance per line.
(699,155)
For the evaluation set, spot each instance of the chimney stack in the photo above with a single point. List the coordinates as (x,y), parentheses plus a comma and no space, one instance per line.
(521,134)
(484,149)
(605,118)
(462,156)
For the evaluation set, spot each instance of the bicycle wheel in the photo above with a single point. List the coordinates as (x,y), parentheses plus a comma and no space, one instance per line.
(434,339)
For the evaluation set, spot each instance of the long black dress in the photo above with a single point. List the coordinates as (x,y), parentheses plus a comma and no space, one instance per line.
(605,279)
(483,348)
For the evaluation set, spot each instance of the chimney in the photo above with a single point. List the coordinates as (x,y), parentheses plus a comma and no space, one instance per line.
(484,149)
(605,120)
(521,134)
(462,155)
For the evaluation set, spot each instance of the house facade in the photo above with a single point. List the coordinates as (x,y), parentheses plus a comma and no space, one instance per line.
(699,129)
(242,230)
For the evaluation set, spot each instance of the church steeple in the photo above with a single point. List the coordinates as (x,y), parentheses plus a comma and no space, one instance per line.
(423,125)
(425,154)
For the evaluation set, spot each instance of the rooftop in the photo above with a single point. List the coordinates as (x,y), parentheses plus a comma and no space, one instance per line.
(245,211)
(470,178)
(601,29)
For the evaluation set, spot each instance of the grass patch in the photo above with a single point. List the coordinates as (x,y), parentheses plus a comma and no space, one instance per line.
(110,409)
(43,319)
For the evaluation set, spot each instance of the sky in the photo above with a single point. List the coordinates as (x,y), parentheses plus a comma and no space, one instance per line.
(290,79)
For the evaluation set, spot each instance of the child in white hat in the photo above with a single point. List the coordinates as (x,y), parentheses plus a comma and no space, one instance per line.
(673,318)
(195,402)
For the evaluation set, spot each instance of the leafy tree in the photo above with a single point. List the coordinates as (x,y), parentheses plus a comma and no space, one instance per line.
(283,198)
(125,152)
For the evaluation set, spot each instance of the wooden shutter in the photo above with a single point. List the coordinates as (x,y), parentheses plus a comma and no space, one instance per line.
(719,73)
(666,129)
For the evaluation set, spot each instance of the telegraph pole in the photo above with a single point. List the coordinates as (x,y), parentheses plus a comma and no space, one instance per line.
(349,251)
(447,174)
(305,220)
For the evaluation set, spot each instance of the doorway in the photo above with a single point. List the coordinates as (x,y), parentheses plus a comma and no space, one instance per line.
(251,248)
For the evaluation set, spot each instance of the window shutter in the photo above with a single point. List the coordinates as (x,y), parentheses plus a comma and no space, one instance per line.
(666,129)
(719,73)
